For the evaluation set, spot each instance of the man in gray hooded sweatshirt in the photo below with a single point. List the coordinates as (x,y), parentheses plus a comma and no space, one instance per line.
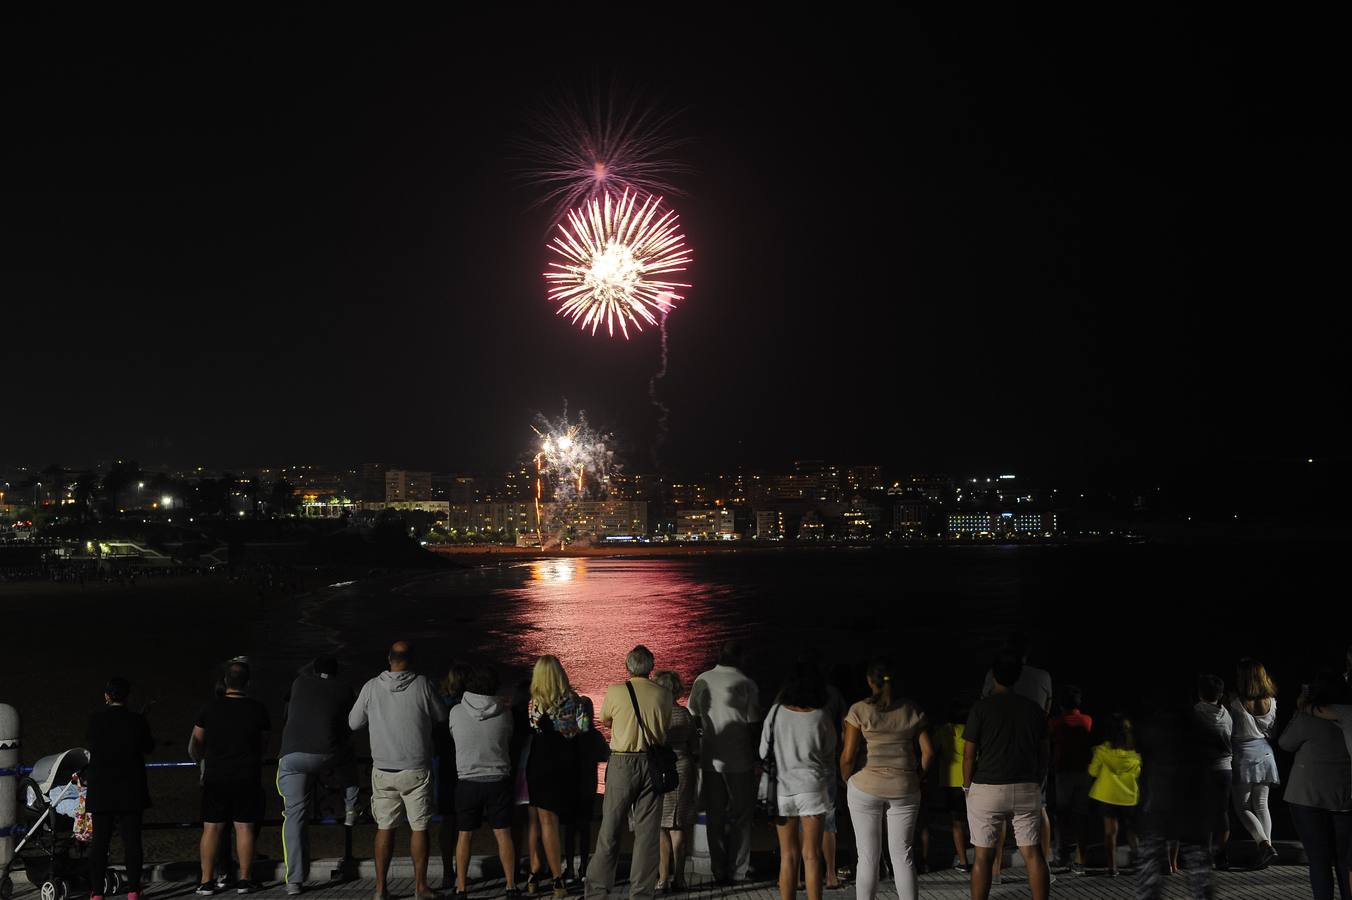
(401,709)
(481,727)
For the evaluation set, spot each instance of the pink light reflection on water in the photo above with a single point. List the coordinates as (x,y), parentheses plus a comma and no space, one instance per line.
(590,613)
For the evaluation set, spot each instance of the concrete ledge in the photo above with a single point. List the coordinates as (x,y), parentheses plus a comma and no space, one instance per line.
(270,870)
(488,867)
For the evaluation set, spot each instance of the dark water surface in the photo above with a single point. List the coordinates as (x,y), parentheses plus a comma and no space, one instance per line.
(1126,622)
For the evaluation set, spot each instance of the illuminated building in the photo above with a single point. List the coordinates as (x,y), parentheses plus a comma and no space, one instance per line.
(935,488)
(860,479)
(402,485)
(910,516)
(1002,524)
(769,525)
(862,521)
(705,525)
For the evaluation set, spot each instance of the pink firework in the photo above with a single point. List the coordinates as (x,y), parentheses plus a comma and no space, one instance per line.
(615,254)
(607,143)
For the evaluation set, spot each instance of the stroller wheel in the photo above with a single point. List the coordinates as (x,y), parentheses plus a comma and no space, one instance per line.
(113,882)
(55,889)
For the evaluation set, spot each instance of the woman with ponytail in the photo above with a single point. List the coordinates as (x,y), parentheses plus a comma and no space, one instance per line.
(885,729)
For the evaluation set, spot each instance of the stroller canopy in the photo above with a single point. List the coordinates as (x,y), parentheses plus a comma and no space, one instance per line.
(56,770)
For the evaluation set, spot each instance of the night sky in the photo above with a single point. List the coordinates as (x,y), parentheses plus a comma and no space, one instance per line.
(1001,242)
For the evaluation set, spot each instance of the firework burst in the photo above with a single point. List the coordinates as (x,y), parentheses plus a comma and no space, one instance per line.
(614,256)
(608,142)
(573,461)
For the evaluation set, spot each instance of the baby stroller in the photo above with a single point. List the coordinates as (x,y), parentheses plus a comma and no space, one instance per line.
(50,797)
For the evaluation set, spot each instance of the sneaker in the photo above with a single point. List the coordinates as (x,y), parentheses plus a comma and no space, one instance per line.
(247,886)
(206,889)
(222,880)
(294,888)
(1111,873)
(963,869)
(1077,868)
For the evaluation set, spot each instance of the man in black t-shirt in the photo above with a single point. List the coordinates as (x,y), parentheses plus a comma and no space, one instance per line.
(228,738)
(1004,762)
(315,741)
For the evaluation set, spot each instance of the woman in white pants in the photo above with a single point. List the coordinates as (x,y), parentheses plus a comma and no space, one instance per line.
(885,728)
(801,736)
(1254,710)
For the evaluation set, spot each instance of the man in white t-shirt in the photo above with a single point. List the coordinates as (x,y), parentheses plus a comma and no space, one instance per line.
(727,704)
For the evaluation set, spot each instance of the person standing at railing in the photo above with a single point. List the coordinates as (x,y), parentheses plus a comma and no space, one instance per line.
(119,740)
(1254,712)
(401,708)
(228,737)
(315,739)
(727,704)
(481,726)
(638,712)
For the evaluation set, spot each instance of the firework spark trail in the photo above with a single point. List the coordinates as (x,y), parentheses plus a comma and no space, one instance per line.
(608,142)
(663,412)
(614,254)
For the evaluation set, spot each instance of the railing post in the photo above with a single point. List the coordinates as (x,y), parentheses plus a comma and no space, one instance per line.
(9,783)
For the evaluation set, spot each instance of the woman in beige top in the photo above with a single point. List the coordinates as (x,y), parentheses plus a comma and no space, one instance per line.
(884,730)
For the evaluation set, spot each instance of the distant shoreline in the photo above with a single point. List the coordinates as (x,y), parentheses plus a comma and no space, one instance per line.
(736,548)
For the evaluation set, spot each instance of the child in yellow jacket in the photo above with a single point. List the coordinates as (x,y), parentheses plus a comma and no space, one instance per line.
(1116,770)
(949,747)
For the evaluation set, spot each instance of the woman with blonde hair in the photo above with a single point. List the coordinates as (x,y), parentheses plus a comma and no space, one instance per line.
(556,717)
(1254,710)
(679,808)
(885,729)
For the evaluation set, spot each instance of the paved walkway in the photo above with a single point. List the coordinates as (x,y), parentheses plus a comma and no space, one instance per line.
(1275,883)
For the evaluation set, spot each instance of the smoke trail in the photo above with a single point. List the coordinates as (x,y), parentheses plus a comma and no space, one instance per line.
(662,410)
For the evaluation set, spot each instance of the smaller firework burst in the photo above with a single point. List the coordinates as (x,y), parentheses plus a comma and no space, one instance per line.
(606,139)
(616,255)
(572,460)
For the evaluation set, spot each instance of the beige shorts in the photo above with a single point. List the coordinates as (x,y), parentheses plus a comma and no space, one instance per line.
(397,797)
(988,805)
